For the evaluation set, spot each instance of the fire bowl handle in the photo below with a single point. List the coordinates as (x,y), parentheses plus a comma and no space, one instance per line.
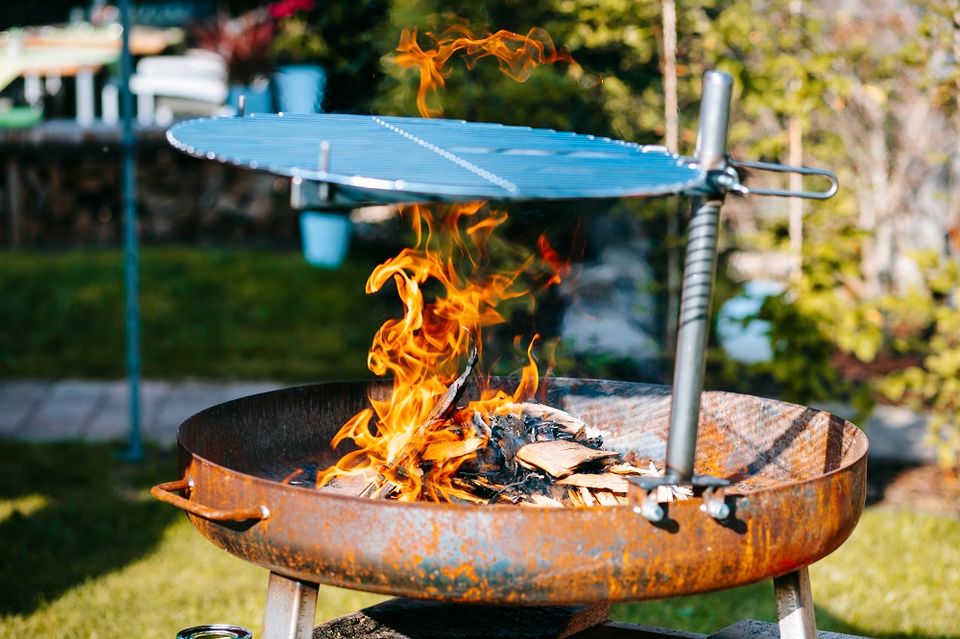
(166,492)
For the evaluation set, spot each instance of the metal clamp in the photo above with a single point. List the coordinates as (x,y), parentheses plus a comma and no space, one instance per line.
(740,189)
(165,493)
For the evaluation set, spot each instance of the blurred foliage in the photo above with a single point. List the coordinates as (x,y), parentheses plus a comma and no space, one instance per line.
(846,328)
(352,40)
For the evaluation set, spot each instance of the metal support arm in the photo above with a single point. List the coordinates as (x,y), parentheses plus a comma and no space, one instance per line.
(698,277)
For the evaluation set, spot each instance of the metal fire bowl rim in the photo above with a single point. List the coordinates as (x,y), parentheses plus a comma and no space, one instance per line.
(860,446)
(511,555)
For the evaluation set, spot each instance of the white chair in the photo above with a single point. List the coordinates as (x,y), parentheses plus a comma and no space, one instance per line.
(197,83)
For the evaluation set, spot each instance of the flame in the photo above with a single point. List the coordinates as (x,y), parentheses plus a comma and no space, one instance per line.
(422,351)
(401,439)
(517,54)
(559,266)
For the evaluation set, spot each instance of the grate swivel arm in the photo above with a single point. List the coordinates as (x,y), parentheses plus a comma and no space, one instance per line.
(699,272)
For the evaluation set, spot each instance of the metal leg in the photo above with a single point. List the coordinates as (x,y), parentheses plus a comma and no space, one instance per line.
(795,605)
(85,100)
(291,607)
(145,108)
(32,89)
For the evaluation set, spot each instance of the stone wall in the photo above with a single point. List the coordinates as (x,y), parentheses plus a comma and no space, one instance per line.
(72,198)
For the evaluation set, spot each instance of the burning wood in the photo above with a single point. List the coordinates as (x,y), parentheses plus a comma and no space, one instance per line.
(559,458)
(423,443)
(521,453)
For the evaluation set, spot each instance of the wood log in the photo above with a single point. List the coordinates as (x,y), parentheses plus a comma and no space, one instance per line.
(537,499)
(628,469)
(587,496)
(601,481)
(438,451)
(606,498)
(560,457)
(449,399)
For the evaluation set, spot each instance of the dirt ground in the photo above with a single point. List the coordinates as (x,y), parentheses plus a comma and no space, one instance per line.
(924,488)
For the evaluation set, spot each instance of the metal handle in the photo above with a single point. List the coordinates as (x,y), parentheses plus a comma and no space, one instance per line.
(165,493)
(782,168)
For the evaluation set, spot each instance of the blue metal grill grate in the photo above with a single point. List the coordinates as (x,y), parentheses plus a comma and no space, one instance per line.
(409,159)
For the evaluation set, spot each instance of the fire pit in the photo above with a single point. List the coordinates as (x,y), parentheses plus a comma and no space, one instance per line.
(797,486)
(778,486)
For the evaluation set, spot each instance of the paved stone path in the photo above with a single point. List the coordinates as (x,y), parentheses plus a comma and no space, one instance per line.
(98,411)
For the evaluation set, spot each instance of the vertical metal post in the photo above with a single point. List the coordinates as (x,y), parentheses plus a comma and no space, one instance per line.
(131,258)
(291,608)
(699,272)
(16,202)
(795,605)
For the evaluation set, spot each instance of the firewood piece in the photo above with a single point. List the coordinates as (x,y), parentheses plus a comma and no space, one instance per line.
(603,481)
(380,486)
(560,457)
(587,496)
(568,422)
(628,469)
(449,398)
(674,493)
(480,425)
(542,501)
(574,498)
(606,498)
(439,451)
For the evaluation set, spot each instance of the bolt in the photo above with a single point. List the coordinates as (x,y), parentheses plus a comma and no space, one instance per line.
(725,181)
(650,510)
(716,508)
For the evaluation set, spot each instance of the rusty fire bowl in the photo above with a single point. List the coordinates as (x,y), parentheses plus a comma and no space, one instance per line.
(799,486)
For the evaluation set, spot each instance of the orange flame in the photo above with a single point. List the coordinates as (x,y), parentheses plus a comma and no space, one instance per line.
(517,54)
(400,438)
(422,350)
(559,266)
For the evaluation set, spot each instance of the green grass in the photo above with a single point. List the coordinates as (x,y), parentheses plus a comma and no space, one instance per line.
(897,576)
(210,313)
(85,552)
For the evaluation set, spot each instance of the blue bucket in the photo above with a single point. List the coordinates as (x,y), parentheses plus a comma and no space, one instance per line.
(325,237)
(259,97)
(300,88)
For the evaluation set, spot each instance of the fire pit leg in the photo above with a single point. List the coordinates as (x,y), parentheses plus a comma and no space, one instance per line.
(291,607)
(795,605)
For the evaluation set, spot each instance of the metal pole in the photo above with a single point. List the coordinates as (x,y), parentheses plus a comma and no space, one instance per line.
(131,259)
(699,273)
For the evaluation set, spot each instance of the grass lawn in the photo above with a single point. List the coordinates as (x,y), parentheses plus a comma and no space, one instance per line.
(85,552)
(209,313)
